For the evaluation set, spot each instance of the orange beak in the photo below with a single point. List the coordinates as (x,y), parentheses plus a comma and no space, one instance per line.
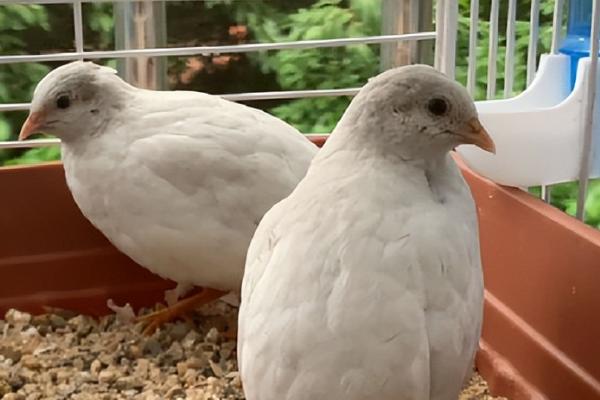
(32,124)
(475,133)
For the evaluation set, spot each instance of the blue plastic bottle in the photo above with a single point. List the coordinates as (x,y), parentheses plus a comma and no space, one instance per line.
(579,26)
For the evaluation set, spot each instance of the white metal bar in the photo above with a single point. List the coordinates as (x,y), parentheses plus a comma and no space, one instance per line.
(440,31)
(205,50)
(290,94)
(14,107)
(15,144)
(283,94)
(451,28)
(78,26)
(534,29)
(590,100)
(534,33)
(509,58)
(472,62)
(556,26)
(492,50)
(546,193)
(445,45)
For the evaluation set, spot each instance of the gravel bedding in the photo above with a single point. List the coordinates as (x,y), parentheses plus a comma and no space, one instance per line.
(63,355)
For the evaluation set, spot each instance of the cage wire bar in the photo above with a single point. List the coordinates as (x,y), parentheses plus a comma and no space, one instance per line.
(590,101)
(472,60)
(208,50)
(492,49)
(557,25)
(446,20)
(509,58)
(534,33)
(78,26)
(546,190)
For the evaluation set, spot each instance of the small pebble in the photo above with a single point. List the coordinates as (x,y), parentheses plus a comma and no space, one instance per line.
(95,367)
(134,352)
(179,331)
(5,387)
(107,376)
(152,347)
(10,353)
(16,318)
(125,383)
(30,361)
(182,368)
(212,336)
(196,363)
(13,396)
(141,368)
(57,321)
(175,392)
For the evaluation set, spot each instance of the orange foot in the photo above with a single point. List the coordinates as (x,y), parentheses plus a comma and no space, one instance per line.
(179,309)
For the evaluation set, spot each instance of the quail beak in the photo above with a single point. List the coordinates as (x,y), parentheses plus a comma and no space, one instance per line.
(474,133)
(32,124)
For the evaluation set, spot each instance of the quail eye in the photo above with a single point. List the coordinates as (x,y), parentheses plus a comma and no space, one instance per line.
(63,102)
(437,106)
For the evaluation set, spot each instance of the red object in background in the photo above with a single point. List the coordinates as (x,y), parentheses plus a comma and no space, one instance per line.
(541,327)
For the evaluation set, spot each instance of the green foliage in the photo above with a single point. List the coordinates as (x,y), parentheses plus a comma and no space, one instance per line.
(564,197)
(329,68)
(37,155)
(100,21)
(17,81)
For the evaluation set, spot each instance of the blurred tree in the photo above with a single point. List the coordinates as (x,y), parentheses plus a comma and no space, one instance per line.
(328,68)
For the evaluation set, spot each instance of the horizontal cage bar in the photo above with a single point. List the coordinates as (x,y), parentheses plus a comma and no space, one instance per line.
(208,50)
(283,94)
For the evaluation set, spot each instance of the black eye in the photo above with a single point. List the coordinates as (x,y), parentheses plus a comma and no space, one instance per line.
(63,102)
(437,106)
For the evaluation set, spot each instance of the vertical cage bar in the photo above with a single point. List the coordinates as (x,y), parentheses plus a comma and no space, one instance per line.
(556,26)
(78,26)
(534,33)
(439,31)
(546,193)
(509,58)
(492,49)
(534,28)
(445,44)
(472,62)
(451,26)
(590,101)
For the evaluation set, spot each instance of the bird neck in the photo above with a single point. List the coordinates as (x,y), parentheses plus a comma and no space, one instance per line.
(368,142)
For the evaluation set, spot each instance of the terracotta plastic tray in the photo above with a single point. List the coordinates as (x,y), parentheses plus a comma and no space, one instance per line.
(541,336)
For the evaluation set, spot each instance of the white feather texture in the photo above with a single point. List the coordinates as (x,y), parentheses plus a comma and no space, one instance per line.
(366,283)
(178,181)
